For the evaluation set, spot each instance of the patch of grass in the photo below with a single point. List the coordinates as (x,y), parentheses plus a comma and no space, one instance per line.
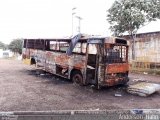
(149,71)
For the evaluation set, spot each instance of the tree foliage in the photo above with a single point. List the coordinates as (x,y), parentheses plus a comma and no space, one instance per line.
(16,46)
(130,15)
(3,46)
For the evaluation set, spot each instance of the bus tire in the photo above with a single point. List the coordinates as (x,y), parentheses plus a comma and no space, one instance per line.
(77,78)
(33,61)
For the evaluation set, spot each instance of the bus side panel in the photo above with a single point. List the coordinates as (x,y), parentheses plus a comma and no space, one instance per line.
(40,58)
(78,62)
(25,56)
(50,62)
(56,62)
(61,64)
(28,53)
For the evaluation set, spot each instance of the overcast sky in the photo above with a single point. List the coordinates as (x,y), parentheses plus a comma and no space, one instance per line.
(53,18)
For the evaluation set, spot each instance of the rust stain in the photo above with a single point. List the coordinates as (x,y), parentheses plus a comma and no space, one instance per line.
(79,65)
(48,54)
(62,59)
(117,68)
(115,81)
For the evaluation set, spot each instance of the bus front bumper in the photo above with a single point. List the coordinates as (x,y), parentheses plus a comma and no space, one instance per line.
(115,81)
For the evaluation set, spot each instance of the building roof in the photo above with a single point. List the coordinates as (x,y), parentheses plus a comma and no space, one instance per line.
(142,35)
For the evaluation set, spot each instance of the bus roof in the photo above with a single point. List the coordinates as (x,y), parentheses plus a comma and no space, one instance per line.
(86,38)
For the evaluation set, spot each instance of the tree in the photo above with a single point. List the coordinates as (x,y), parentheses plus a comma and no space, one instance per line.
(130,15)
(16,46)
(2,45)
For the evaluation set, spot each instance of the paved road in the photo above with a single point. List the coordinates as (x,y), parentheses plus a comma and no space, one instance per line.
(23,89)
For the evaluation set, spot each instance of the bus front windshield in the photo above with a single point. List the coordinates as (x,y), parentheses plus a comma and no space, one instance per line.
(115,53)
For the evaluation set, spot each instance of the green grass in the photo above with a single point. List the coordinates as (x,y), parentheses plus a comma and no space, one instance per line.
(149,71)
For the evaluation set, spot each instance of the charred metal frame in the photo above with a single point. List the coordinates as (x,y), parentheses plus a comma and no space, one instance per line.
(92,66)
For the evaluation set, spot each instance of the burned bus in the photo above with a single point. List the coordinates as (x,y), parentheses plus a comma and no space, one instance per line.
(86,60)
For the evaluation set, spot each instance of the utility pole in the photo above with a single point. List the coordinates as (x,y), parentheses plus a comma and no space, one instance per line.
(73,13)
(79,21)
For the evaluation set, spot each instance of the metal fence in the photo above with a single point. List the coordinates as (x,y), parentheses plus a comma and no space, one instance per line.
(147,67)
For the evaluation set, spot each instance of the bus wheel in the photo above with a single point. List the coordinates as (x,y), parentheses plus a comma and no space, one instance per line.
(77,78)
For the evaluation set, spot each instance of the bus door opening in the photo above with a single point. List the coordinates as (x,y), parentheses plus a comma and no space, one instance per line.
(92,63)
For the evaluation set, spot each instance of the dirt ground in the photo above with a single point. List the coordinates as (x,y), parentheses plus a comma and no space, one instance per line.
(23,89)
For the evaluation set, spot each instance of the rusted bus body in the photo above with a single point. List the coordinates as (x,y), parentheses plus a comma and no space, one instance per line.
(100,61)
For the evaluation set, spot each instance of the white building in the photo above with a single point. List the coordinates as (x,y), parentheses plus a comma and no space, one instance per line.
(5,53)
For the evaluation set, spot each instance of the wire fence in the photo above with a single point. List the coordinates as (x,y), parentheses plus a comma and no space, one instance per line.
(145,67)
